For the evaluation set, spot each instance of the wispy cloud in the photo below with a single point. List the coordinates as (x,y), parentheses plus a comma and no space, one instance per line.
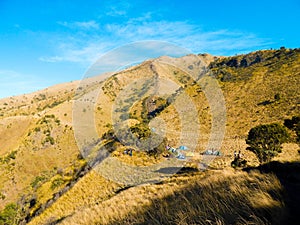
(188,35)
(86,48)
(117,9)
(84,53)
(116,12)
(80,25)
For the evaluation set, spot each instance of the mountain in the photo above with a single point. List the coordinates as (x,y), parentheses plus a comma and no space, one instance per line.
(55,143)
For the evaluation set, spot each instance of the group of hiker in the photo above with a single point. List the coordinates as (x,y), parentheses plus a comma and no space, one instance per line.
(238,160)
(237,155)
(128,152)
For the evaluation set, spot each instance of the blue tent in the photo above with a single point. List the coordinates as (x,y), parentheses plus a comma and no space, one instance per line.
(182,147)
(212,152)
(180,156)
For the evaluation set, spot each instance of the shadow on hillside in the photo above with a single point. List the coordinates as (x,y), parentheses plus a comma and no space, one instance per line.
(289,175)
(177,170)
(264,103)
(217,200)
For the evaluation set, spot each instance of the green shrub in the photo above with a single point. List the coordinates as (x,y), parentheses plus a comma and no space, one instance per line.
(57,121)
(50,116)
(50,139)
(2,196)
(277,97)
(8,215)
(8,157)
(56,103)
(57,182)
(12,155)
(266,140)
(37,129)
(108,125)
(38,181)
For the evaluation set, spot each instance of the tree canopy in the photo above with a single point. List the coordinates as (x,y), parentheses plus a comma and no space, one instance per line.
(266,140)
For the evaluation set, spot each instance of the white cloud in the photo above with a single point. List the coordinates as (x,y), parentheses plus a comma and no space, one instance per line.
(84,53)
(145,17)
(83,48)
(116,12)
(188,35)
(52,59)
(80,25)
(117,9)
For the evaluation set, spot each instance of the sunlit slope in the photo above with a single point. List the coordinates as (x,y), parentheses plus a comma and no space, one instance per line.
(42,167)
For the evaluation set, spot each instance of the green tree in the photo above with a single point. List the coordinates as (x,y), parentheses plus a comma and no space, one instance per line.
(141,131)
(266,140)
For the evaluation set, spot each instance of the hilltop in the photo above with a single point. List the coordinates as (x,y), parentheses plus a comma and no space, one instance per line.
(49,177)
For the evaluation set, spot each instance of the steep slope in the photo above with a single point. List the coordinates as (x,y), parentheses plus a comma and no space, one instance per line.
(42,167)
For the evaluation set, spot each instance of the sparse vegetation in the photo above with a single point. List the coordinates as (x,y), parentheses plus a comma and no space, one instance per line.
(259,88)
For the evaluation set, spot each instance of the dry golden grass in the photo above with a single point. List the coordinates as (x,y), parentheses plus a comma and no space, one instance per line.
(15,128)
(216,198)
(182,199)
(88,191)
(18,124)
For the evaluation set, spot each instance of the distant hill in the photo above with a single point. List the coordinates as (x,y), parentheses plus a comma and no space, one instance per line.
(44,173)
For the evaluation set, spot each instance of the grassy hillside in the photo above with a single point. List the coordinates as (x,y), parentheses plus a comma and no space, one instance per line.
(44,179)
(259,87)
(192,200)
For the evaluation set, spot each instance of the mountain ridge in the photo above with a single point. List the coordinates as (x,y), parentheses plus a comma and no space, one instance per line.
(38,127)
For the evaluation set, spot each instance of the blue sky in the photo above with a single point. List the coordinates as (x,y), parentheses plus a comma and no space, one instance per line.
(48,42)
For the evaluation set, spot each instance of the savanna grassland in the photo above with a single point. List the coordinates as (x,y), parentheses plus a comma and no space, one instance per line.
(45,178)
